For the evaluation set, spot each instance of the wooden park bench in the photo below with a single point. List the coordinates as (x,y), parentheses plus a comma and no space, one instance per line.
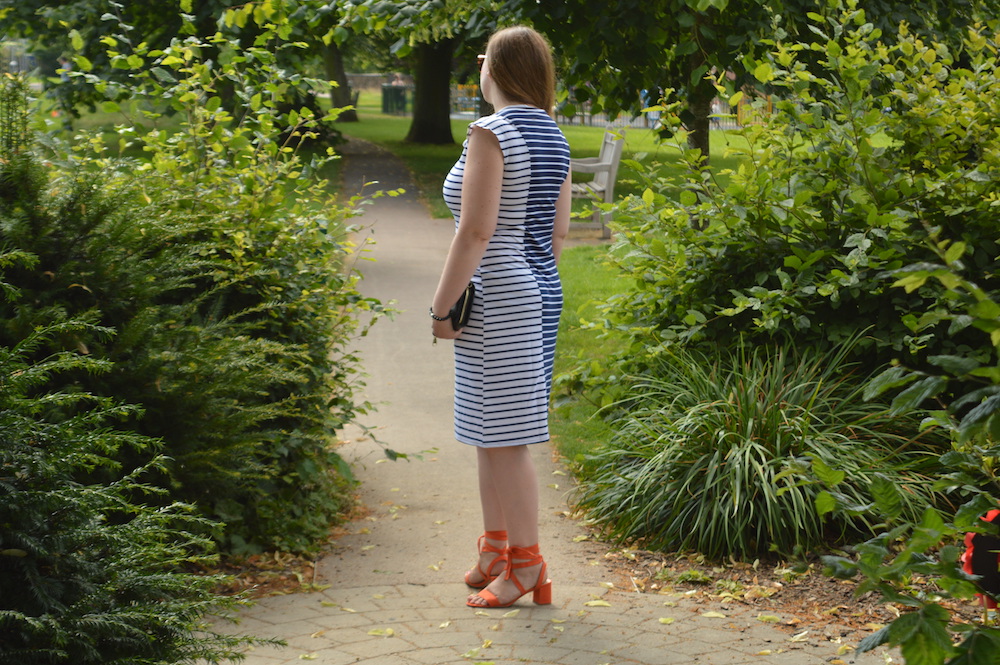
(605,170)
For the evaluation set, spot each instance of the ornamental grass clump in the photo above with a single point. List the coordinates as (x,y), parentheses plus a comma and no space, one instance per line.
(708,454)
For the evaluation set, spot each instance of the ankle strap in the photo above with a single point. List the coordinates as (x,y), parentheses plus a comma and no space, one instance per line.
(495,535)
(530,552)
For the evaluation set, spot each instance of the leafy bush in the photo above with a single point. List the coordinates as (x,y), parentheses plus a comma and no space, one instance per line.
(863,146)
(218,261)
(708,454)
(928,547)
(89,574)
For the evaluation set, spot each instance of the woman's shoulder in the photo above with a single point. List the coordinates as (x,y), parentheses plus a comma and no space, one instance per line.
(492,122)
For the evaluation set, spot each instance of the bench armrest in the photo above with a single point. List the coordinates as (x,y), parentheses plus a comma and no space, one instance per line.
(578,167)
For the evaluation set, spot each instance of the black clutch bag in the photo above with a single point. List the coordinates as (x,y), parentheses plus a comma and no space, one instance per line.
(459,314)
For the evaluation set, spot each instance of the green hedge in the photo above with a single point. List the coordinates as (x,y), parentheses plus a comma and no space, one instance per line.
(216,261)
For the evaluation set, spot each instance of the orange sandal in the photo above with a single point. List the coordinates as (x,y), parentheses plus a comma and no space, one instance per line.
(525,557)
(484,546)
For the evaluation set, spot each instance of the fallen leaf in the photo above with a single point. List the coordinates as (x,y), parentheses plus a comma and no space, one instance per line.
(580,539)
(554,486)
(308,656)
(597,603)
(713,615)
(765,652)
(327,603)
(768,618)
(495,627)
(670,603)
(387,632)
(511,614)
(844,648)
(559,628)
(801,637)
(608,585)
(348,609)
(445,624)
(318,633)
(666,621)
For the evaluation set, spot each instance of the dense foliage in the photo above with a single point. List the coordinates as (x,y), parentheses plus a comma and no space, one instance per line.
(839,185)
(217,261)
(90,575)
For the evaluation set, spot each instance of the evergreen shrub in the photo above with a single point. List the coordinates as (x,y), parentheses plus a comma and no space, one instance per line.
(218,261)
(90,574)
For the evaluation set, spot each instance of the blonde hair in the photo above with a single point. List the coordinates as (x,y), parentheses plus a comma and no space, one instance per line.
(520,63)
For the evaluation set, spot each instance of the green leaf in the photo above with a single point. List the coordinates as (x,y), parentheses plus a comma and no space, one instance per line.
(887,496)
(914,396)
(83,64)
(826,475)
(955,252)
(954,365)
(825,503)
(688,198)
(764,72)
(876,639)
(923,635)
(893,377)
(75,40)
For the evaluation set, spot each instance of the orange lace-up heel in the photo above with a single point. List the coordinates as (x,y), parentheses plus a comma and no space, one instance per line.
(521,557)
(501,558)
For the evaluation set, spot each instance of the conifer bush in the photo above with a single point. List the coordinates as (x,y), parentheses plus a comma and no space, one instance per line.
(90,573)
(215,261)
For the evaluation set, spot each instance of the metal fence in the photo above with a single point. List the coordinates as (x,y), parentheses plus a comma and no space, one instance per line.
(14,59)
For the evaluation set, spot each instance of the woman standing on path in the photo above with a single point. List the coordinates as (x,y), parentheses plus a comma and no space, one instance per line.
(510,195)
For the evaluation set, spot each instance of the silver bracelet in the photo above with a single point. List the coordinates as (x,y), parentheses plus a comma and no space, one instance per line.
(436,317)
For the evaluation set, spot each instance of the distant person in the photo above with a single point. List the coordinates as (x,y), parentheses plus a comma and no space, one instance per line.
(510,195)
(65,67)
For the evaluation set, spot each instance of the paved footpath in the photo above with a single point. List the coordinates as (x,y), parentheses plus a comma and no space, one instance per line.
(396,593)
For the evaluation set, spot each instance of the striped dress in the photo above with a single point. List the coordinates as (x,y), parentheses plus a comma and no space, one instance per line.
(504,356)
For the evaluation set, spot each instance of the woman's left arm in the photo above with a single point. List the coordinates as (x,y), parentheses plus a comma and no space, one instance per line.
(561,228)
(481,188)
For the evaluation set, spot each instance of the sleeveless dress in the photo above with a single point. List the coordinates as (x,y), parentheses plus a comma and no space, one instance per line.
(504,356)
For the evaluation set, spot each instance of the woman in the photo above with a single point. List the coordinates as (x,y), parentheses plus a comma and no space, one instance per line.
(510,194)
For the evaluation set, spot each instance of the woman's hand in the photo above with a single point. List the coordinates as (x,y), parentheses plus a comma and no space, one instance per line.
(443,330)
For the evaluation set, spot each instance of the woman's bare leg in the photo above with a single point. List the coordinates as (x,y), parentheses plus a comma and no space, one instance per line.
(509,492)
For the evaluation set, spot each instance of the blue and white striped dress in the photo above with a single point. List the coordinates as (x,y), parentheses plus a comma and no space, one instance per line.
(504,356)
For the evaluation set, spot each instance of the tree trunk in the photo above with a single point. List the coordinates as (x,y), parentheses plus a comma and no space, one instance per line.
(432,94)
(340,94)
(699,103)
